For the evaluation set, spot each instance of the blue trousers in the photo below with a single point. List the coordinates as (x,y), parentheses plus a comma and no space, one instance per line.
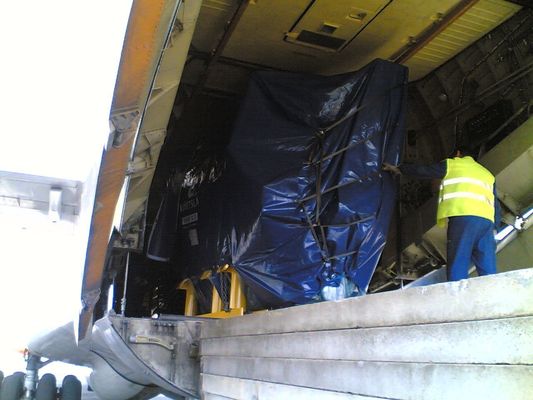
(470,240)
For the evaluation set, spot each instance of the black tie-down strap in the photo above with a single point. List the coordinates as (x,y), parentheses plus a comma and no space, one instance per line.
(316,159)
(318,229)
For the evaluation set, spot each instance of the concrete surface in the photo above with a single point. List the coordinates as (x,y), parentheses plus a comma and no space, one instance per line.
(471,339)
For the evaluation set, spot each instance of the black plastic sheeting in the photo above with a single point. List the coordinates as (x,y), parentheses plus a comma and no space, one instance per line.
(297,203)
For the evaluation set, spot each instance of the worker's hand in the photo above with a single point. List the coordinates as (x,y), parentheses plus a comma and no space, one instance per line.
(391,168)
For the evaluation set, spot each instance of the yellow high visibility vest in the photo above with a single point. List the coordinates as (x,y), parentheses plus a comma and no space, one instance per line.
(467,189)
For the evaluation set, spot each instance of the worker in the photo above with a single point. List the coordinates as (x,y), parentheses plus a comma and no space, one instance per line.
(467,200)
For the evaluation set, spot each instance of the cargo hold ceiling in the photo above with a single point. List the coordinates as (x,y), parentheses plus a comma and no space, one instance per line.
(335,36)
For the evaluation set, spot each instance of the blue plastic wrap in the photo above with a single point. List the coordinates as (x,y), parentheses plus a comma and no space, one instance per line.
(302,208)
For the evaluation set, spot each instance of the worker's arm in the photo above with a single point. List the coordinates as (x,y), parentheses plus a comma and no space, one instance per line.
(432,171)
(438,171)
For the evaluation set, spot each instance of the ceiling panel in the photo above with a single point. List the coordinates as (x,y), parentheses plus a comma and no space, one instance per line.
(342,22)
(471,26)
(260,36)
(385,28)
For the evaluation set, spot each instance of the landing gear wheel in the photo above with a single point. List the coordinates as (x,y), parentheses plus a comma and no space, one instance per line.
(12,387)
(71,388)
(46,388)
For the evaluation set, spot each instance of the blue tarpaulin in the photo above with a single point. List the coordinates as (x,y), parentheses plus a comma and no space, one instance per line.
(298,203)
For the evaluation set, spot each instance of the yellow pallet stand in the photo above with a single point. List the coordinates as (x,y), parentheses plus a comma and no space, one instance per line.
(237,300)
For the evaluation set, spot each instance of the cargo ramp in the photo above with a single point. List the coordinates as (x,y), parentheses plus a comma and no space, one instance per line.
(471,339)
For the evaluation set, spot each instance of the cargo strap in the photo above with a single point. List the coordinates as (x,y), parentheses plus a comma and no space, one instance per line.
(316,227)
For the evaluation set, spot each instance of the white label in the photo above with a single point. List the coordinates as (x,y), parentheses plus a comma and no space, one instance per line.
(189,219)
(193,237)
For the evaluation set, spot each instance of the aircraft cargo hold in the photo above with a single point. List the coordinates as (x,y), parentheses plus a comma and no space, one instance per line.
(243,175)
(297,203)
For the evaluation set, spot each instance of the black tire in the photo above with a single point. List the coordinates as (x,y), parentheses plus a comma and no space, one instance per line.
(46,388)
(12,387)
(71,388)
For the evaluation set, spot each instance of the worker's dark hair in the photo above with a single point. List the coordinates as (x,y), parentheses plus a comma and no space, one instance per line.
(465,151)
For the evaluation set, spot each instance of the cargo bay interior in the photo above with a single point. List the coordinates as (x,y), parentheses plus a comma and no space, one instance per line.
(470,79)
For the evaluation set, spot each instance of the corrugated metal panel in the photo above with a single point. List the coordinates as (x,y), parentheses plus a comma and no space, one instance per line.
(475,23)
